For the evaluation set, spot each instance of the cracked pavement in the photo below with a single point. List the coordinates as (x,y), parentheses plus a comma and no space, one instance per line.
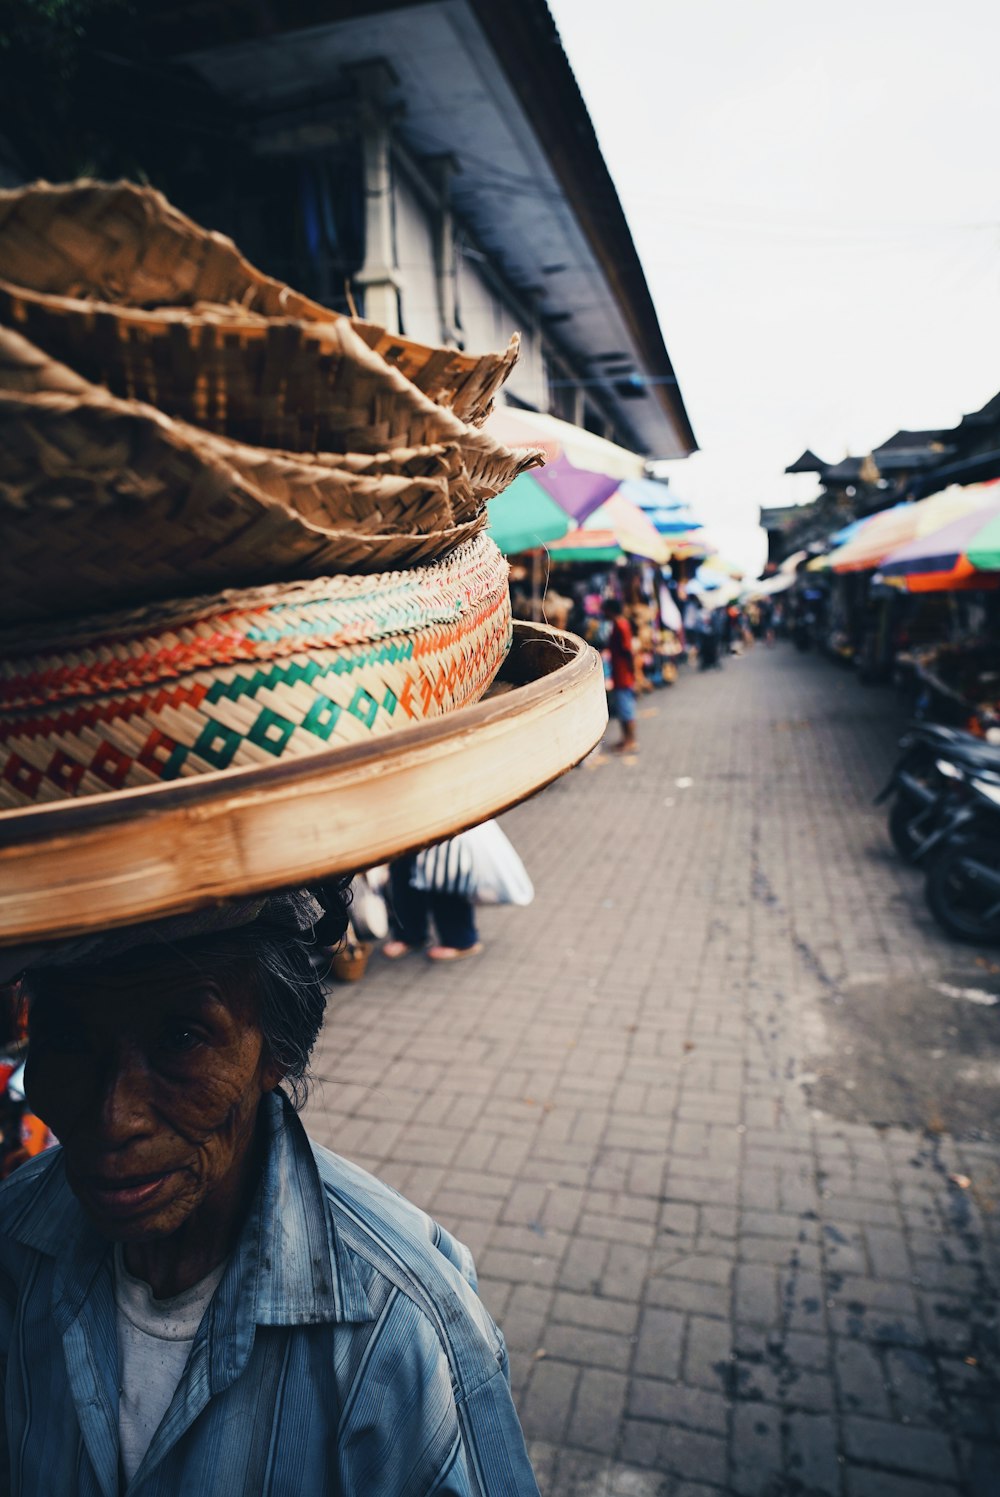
(718,1114)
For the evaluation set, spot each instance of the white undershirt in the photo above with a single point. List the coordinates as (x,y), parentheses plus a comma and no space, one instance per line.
(154,1339)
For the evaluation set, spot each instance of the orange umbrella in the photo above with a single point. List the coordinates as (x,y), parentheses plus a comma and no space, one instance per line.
(962,578)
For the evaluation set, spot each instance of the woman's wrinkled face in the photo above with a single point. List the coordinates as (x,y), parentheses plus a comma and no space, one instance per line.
(150,1072)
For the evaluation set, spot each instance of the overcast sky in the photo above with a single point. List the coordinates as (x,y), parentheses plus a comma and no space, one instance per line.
(814,192)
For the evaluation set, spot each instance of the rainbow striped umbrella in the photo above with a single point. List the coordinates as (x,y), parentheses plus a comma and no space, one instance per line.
(890,529)
(959,555)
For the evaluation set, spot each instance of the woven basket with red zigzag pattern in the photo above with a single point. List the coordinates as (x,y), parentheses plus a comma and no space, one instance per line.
(246,678)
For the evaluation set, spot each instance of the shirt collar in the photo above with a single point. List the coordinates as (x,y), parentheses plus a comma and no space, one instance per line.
(304,1273)
(289,1267)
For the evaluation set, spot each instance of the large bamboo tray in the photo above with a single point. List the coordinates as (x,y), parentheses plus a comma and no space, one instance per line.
(170,849)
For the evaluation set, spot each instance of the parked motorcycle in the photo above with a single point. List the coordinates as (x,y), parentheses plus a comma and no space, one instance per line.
(930,778)
(963,880)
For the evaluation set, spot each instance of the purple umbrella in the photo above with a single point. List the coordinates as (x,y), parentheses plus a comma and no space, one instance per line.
(576,490)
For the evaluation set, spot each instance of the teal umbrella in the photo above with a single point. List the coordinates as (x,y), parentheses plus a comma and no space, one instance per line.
(525,516)
(599,555)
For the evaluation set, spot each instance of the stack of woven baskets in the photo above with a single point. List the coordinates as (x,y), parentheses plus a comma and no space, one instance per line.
(172,423)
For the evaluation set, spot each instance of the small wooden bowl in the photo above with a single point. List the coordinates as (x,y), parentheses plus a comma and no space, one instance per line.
(349,962)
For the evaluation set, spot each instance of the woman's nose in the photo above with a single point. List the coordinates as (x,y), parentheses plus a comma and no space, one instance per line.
(124,1105)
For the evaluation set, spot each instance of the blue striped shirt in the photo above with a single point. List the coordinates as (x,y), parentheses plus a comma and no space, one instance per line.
(344,1352)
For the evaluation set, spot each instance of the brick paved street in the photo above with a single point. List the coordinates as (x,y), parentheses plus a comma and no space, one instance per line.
(717,1114)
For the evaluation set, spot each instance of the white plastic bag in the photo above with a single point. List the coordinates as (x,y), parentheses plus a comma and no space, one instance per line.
(479,864)
(369,915)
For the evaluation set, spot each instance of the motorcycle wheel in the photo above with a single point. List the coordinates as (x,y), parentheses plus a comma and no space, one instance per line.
(960,903)
(901,813)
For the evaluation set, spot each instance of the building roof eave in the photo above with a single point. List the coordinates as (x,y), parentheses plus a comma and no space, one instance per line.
(525,51)
(807,463)
(526,41)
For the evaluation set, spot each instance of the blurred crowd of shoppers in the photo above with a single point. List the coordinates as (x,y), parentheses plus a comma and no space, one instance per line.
(646,625)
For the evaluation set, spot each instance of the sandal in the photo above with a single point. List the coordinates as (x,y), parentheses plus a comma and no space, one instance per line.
(452,953)
(393,951)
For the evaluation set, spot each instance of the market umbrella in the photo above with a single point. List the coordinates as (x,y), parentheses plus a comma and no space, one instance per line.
(954,555)
(632,528)
(844,538)
(670,515)
(525,516)
(717,587)
(598,547)
(688,546)
(892,528)
(849,531)
(581,469)
(669,522)
(577,491)
(562,440)
(623,530)
(768,587)
(651,494)
(716,565)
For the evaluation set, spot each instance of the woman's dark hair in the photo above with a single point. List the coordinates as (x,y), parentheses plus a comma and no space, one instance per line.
(291,994)
(289,971)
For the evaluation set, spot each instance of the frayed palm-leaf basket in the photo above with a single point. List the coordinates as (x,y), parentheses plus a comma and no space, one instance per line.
(106,502)
(113,281)
(249,614)
(246,678)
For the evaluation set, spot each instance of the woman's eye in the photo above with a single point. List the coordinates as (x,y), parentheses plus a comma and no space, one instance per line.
(181,1037)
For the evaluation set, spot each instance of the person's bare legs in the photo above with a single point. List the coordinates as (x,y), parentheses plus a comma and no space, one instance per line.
(627,743)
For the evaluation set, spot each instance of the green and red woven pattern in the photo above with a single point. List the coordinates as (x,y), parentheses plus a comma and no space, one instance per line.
(246,678)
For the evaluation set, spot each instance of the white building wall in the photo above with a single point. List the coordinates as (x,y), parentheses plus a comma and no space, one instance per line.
(415,264)
(486,319)
(488,322)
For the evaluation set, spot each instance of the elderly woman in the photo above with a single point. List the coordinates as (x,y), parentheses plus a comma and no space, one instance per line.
(193,1297)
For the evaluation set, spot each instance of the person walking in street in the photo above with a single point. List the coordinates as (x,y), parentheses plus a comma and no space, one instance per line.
(766,611)
(708,639)
(411,911)
(622,674)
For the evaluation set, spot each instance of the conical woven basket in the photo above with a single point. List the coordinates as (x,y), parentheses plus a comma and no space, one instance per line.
(105,502)
(246,677)
(115,282)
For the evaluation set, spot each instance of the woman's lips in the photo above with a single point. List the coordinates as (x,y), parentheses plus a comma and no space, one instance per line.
(121,1198)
